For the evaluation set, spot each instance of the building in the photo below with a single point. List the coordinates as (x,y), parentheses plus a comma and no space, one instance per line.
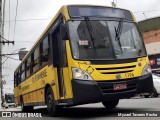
(151,33)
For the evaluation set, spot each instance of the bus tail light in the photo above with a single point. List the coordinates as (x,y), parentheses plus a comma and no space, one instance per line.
(80,74)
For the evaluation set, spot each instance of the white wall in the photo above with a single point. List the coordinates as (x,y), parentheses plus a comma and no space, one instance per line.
(153,48)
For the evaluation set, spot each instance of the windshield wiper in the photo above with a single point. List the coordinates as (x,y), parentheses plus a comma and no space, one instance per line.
(90,29)
(118,31)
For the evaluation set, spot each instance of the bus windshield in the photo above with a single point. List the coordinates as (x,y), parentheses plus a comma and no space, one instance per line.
(105,40)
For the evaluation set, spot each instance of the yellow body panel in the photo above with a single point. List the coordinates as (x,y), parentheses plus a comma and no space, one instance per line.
(33,90)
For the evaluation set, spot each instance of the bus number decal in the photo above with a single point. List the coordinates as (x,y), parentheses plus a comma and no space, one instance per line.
(25,87)
(129,75)
(39,76)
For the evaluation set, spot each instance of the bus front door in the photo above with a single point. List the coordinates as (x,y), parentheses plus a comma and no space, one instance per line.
(59,60)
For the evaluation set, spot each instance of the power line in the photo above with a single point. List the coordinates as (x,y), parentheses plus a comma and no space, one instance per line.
(11,58)
(4,38)
(7,58)
(23,20)
(146,11)
(6,41)
(4,3)
(9,54)
(9,22)
(25,41)
(16,40)
(15,21)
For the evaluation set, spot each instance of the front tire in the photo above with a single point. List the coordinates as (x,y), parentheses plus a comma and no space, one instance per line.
(110,104)
(146,96)
(154,94)
(51,107)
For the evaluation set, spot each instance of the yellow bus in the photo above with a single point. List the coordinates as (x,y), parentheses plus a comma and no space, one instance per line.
(87,54)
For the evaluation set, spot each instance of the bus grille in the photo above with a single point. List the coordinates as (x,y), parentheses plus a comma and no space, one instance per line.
(116,70)
(107,86)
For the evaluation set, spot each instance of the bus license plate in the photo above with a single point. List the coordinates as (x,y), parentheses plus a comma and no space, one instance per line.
(120,86)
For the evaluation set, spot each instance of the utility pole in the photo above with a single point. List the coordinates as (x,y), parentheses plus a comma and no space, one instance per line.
(3,41)
(0,52)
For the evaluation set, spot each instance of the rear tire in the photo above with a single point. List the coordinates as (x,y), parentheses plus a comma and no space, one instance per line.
(51,107)
(25,108)
(110,104)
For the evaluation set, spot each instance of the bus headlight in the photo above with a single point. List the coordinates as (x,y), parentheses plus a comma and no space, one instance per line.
(80,74)
(146,70)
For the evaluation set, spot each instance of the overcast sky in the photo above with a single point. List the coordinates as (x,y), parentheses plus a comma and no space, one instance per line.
(27,32)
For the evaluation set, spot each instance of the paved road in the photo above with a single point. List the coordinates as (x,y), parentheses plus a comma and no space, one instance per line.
(98,112)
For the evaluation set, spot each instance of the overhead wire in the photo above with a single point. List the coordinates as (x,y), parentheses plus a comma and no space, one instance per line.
(4,38)
(3,19)
(15,20)
(11,58)
(23,20)
(5,60)
(146,11)
(9,22)
(24,41)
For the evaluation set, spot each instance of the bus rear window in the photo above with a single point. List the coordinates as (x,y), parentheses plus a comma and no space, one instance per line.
(81,11)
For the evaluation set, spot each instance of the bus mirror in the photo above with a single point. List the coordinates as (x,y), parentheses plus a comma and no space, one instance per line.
(63,32)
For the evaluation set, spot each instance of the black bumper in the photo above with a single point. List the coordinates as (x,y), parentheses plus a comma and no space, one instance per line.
(95,91)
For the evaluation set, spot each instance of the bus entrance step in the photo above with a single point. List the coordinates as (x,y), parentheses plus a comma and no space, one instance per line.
(62,104)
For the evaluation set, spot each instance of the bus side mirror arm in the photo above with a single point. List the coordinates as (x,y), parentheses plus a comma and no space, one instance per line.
(63,32)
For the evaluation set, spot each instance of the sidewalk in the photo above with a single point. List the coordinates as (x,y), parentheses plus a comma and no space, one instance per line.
(1,109)
(11,109)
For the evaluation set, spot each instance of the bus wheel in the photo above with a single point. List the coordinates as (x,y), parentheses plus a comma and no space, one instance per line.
(23,108)
(110,104)
(146,96)
(26,108)
(154,94)
(50,102)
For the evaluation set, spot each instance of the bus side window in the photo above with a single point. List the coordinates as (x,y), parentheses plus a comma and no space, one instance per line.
(28,67)
(15,79)
(36,60)
(23,72)
(32,63)
(19,76)
(44,51)
(16,82)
